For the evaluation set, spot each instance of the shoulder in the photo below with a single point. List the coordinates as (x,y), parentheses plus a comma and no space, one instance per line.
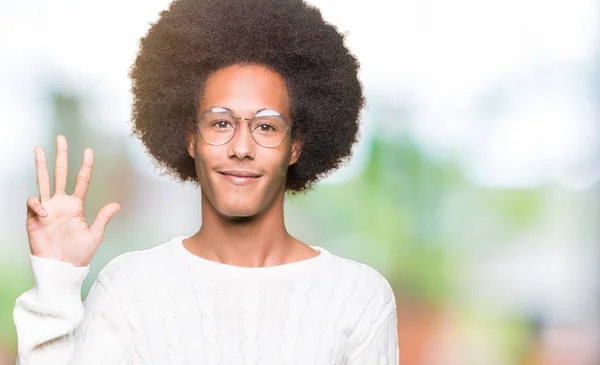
(370,289)
(134,264)
(371,305)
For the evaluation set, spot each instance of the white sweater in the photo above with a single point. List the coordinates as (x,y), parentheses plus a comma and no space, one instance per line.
(165,305)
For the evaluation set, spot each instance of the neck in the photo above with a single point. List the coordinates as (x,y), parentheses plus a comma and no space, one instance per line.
(257,241)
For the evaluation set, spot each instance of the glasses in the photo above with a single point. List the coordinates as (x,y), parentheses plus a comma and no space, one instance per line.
(217,126)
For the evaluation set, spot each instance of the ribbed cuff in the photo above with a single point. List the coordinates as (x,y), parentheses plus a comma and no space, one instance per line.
(57,279)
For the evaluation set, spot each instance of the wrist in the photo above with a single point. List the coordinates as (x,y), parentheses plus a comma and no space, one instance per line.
(59,257)
(54,278)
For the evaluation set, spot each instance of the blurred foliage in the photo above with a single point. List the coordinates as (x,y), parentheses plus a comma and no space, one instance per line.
(393,212)
(410,215)
(14,280)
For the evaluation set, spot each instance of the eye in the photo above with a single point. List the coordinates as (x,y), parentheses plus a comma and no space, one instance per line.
(264,127)
(221,124)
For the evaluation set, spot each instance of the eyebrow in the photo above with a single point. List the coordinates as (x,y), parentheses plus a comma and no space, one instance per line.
(233,113)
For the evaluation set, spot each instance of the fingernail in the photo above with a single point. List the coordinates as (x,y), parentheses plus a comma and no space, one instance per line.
(43,213)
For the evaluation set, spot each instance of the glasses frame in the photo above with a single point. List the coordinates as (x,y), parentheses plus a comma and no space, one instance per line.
(236,125)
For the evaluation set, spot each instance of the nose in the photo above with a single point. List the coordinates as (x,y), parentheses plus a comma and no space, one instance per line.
(242,144)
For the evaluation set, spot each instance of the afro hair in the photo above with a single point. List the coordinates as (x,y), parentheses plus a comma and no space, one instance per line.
(193,38)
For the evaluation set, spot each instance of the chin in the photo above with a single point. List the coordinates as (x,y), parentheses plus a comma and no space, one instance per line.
(237,211)
(238,214)
(239,202)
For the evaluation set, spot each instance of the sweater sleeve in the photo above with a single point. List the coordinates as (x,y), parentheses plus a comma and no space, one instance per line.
(374,341)
(54,327)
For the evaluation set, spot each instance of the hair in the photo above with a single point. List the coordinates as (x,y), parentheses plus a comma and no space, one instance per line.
(194,38)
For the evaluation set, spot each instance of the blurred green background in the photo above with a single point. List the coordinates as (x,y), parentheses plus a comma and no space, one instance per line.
(474,188)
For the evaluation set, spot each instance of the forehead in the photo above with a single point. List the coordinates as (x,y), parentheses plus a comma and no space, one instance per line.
(245,89)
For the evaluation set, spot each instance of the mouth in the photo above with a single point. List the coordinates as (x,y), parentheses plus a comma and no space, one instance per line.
(240,177)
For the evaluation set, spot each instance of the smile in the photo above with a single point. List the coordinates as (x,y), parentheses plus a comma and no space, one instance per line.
(240,177)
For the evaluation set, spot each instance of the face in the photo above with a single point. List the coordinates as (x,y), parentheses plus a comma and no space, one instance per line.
(241,178)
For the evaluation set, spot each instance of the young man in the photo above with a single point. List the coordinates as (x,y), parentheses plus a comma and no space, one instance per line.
(250,100)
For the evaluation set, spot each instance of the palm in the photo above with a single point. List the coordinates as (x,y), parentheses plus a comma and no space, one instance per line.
(66,224)
(63,234)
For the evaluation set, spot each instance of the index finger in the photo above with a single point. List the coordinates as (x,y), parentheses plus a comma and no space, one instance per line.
(41,168)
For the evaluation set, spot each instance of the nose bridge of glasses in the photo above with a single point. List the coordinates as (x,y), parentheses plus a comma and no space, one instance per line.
(244,118)
(237,131)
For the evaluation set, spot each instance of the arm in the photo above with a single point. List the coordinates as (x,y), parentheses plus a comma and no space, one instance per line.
(374,341)
(54,327)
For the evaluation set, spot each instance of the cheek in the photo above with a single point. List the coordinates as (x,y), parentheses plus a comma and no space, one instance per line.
(205,159)
(277,162)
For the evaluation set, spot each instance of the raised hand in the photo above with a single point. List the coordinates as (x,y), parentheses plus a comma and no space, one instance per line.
(56,226)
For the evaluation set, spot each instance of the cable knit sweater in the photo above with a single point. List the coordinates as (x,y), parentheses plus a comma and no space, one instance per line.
(165,305)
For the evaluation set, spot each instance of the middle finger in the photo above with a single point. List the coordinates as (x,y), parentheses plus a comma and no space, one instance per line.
(61,167)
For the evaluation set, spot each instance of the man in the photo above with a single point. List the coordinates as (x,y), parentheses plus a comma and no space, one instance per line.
(249,100)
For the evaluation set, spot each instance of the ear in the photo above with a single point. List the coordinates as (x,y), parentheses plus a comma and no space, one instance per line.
(296,150)
(190,142)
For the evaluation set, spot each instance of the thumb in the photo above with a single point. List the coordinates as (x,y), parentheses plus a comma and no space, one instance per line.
(103,217)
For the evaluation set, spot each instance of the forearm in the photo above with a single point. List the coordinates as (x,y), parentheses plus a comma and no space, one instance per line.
(54,327)
(46,315)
